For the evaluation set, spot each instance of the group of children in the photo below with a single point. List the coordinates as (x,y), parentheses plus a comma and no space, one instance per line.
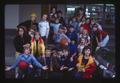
(75,44)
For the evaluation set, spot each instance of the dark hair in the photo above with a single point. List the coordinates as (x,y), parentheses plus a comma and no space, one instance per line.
(61,27)
(59,11)
(53,7)
(85,48)
(80,8)
(17,32)
(71,26)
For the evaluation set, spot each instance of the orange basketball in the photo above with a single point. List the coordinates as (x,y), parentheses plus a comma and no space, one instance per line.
(64,42)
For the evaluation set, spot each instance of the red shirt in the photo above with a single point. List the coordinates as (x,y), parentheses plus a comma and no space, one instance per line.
(101,34)
(86,26)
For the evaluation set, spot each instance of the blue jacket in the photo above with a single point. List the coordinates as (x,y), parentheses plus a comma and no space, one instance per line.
(30,59)
(72,36)
(72,48)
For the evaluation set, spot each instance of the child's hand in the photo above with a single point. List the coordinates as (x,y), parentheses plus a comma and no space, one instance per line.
(71,59)
(44,67)
(70,69)
(30,66)
(83,69)
(97,48)
(7,68)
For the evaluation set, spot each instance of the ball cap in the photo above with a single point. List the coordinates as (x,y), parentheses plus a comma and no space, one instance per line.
(33,14)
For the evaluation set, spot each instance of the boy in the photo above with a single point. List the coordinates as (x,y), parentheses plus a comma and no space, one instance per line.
(25,63)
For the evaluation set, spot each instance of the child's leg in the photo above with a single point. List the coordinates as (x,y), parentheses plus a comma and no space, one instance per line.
(105,41)
(16,70)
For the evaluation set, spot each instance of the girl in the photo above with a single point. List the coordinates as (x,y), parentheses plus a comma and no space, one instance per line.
(85,35)
(81,45)
(86,64)
(37,45)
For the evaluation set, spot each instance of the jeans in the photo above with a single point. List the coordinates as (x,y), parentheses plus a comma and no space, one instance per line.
(25,73)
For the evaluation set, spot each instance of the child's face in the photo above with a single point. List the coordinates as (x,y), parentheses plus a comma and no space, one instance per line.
(44,17)
(82,41)
(37,36)
(57,21)
(48,52)
(81,29)
(31,33)
(92,22)
(71,29)
(27,51)
(81,12)
(21,31)
(85,31)
(94,28)
(87,52)
(54,53)
(74,19)
(53,10)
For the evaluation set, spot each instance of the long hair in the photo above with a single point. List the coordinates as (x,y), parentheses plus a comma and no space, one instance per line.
(17,32)
(85,48)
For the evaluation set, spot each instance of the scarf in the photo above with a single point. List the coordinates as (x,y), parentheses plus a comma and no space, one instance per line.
(80,64)
(40,46)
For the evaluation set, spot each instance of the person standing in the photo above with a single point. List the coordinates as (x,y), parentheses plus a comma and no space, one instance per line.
(28,24)
(44,28)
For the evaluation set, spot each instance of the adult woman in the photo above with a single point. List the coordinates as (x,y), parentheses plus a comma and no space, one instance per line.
(21,39)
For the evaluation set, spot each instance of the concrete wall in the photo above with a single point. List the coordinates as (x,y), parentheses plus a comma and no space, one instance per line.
(11,16)
(14,14)
(26,10)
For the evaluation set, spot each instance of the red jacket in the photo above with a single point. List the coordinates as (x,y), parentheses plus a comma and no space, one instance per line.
(86,26)
(90,67)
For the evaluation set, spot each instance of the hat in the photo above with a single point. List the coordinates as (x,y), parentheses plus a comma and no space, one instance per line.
(33,14)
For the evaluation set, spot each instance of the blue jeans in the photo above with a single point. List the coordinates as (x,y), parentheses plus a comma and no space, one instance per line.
(27,73)
(78,75)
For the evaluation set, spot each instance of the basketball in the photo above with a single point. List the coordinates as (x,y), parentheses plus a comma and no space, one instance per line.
(23,65)
(63,42)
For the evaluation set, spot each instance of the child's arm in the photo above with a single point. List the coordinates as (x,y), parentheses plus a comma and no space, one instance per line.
(35,62)
(14,65)
(17,62)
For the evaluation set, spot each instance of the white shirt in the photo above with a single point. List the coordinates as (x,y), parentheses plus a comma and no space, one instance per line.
(99,26)
(80,48)
(44,28)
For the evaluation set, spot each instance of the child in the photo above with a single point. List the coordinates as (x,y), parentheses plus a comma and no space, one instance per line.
(85,35)
(72,35)
(61,38)
(44,27)
(25,62)
(54,65)
(86,64)
(72,55)
(101,37)
(37,45)
(74,23)
(56,26)
(81,45)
